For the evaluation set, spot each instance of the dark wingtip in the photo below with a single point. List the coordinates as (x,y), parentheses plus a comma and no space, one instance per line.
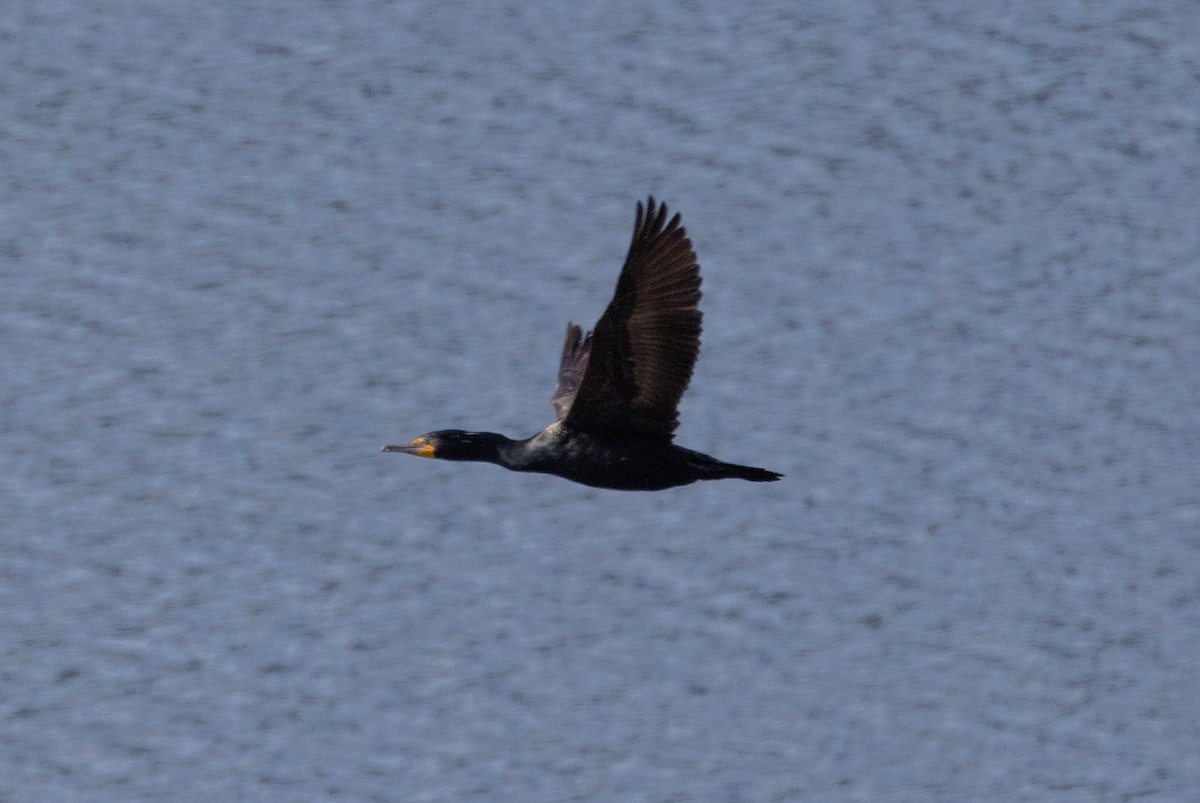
(651,218)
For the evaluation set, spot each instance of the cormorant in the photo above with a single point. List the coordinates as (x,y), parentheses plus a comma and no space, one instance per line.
(618,387)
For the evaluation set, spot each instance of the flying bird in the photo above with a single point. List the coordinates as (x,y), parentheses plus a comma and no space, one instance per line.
(617,398)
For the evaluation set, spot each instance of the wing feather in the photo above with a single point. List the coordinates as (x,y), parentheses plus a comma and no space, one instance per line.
(645,344)
(571,367)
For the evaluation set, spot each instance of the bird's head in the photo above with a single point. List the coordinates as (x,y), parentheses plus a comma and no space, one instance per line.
(454,444)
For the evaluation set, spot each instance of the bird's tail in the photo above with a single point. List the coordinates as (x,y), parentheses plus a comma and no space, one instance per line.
(725,470)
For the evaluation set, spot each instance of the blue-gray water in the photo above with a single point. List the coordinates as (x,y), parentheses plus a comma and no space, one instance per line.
(952,291)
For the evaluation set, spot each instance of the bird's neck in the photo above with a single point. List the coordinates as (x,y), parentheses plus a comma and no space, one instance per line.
(531,453)
(491,447)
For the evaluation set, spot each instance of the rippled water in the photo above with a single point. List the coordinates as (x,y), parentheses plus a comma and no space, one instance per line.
(951,291)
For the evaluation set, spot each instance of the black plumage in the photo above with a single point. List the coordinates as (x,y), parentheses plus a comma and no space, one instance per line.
(617,398)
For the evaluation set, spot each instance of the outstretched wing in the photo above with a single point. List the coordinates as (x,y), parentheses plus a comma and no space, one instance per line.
(576,348)
(645,344)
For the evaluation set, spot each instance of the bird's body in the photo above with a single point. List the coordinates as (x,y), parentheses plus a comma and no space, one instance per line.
(618,387)
(623,464)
